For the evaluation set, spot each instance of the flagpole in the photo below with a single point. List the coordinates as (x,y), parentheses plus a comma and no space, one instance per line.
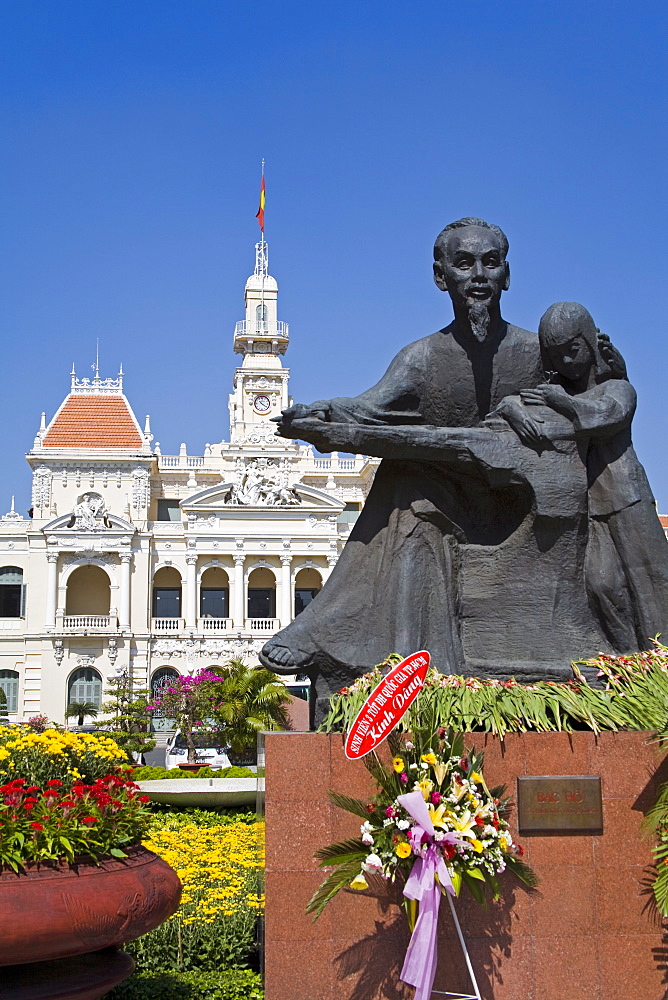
(263,248)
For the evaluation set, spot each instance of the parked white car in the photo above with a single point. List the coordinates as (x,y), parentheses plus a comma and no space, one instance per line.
(208,751)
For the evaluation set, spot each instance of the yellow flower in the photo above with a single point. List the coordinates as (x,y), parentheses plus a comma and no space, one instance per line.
(425,786)
(476,777)
(359,882)
(503,843)
(429,758)
(439,772)
(477,846)
(398,764)
(403,850)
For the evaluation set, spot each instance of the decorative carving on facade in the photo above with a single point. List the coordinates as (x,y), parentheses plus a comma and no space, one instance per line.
(58,651)
(141,488)
(85,661)
(101,557)
(262,482)
(90,513)
(41,487)
(112,651)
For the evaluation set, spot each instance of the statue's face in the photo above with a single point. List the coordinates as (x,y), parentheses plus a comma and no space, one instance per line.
(569,355)
(473,269)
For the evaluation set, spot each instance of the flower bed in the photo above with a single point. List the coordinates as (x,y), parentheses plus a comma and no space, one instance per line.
(219,862)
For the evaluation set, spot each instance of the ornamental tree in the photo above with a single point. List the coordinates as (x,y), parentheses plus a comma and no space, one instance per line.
(127,719)
(190,701)
(249,699)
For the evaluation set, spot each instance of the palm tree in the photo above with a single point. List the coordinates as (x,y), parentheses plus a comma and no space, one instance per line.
(81,709)
(249,699)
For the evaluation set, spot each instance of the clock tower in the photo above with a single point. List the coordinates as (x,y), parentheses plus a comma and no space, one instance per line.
(261,383)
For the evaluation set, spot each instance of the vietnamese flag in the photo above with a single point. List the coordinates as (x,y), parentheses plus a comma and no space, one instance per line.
(260,211)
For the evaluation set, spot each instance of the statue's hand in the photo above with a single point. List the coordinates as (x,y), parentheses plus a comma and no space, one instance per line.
(554,396)
(525,426)
(320,410)
(611,356)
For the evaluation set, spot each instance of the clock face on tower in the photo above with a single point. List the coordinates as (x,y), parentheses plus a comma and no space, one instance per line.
(262,404)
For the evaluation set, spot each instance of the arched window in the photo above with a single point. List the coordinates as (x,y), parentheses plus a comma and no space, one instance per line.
(214,594)
(260,316)
(167,593)
(85,685)
(262,594)
(307,584)
(9,682)
(88,592)
(12,592)
(161,679)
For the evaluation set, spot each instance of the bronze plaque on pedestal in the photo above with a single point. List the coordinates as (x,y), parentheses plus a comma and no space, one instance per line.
(561,802)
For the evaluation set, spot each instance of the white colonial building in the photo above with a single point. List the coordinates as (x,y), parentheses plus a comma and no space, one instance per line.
(154,564)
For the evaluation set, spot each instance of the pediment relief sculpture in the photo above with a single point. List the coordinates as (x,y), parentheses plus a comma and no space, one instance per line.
(90,513)
(262,483)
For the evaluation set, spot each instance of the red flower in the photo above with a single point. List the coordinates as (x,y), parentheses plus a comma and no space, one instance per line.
(449,850)
(53,783)
(37,826)
(33,788)
(28,805)
(89,820)
(464,764)
(479,821)
(519,850)
(370,807)
(144,798)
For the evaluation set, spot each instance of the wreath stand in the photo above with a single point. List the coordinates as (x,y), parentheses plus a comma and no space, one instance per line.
(460,996)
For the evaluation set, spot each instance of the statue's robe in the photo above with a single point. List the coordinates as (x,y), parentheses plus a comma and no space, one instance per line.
(470,544)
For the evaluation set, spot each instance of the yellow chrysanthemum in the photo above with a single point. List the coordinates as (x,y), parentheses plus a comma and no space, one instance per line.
(429,758)
(398,764)
(403,850)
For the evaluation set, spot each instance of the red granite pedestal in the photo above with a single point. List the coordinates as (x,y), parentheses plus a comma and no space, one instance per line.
(590,934)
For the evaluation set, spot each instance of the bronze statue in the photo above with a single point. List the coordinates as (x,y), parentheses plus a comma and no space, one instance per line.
(473,540)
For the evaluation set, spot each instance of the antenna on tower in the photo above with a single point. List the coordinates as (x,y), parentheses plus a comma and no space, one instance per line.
(96,366)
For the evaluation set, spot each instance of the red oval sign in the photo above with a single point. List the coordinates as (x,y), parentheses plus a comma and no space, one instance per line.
(386,704)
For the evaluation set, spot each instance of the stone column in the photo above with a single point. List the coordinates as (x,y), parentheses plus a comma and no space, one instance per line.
(331,563)
(124,601)
(191,591)
(239,610)
(286,590)
(51,590)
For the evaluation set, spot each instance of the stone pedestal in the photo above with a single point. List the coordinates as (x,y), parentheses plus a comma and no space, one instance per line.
(590,933)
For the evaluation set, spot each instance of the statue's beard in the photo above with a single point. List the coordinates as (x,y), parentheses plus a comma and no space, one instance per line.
(479,320)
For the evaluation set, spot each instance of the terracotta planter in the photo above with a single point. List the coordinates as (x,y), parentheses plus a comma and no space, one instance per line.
(64,910)
(192,767)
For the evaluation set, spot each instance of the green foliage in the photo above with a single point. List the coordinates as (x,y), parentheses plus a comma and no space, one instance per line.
(169,818)
(3,706)
(237,984)
(148,773)
(128,719)
(226,942)
(249,699)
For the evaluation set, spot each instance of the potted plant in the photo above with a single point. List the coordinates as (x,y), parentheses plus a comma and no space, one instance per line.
(74,877)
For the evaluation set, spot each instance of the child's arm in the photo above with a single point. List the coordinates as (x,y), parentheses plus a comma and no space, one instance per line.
(599,412)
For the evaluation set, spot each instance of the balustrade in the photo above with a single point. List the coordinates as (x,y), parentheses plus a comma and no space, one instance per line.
(262,624)
(97,623)
(215,624)
(167,624)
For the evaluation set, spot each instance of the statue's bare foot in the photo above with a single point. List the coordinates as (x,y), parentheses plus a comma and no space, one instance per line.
(278,658)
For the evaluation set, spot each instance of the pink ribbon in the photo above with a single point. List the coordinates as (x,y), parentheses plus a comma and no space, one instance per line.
(419,967)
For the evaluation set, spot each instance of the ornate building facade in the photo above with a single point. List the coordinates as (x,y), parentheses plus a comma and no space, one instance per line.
(149,564)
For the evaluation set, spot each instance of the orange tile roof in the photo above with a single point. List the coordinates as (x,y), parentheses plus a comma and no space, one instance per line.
(93,422)
(664,520)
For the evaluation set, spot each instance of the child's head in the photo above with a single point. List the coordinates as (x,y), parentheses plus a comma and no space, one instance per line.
(568,340)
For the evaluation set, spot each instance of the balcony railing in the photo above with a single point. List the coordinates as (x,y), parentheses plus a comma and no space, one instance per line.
(215,624)
(279,330)
(167,624)
(262,624)
(90,623)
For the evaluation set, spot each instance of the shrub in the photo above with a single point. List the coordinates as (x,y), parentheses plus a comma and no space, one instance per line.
(148,773)
(238,984)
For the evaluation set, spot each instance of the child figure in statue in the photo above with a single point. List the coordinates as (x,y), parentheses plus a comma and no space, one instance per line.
(627,551)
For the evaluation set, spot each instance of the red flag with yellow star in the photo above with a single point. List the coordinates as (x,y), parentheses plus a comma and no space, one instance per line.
(260,211)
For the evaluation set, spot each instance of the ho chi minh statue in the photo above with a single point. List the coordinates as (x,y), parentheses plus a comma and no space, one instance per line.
(510,528)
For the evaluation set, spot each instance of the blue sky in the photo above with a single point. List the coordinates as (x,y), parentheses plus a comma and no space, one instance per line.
(133,134)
